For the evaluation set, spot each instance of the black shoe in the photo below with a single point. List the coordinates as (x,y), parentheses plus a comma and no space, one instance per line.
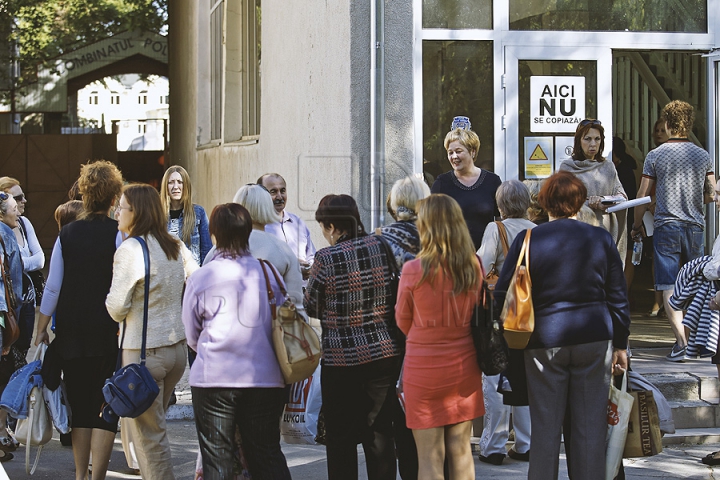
(710,459)
(523,457)
(492,459)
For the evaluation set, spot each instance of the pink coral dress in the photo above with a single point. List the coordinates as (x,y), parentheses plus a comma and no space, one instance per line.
(441,378)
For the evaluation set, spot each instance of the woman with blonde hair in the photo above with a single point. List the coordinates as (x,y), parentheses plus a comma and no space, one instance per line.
(402,234)
(442,380)
(141,217)
(185,220)
(81,269)
(258,202)
(33,259)
(471,186)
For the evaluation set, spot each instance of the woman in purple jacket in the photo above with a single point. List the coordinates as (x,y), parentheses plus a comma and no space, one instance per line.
(235,379)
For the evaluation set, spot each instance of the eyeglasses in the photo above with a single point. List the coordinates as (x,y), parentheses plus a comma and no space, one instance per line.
(590,122)
(19,198)
(120,207)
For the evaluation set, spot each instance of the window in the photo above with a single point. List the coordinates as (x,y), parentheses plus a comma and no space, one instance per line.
(457,14)
(251,68)
(457,80)
(610,15)
(216,68)
(164,99)
(142,98)
(114,98)
(142,128)
(93,100)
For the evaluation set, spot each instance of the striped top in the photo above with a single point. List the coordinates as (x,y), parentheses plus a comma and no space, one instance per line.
(349,291)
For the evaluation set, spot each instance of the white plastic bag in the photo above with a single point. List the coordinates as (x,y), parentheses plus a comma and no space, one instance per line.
(620,404)
(300,417)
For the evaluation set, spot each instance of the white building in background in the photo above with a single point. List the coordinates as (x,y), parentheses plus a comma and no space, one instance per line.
(138,108)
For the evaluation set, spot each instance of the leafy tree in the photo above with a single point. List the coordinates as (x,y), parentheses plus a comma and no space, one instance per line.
(44,29)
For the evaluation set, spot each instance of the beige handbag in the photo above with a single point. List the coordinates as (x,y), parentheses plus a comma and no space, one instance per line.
(518,314)
(297,346)
(37,429)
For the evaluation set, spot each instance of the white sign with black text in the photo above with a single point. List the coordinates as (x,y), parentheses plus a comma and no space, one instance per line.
(557,104)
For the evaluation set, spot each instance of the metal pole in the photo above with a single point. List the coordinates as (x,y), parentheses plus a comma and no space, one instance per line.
(377,112)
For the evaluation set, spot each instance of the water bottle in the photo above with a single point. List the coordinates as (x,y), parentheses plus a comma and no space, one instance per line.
(637,253)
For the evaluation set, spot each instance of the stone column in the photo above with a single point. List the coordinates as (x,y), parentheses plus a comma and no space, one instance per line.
(182,63)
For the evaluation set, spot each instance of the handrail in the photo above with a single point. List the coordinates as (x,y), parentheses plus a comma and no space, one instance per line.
(653,85)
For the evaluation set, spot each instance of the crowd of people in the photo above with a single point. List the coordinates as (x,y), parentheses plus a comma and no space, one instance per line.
(382,339)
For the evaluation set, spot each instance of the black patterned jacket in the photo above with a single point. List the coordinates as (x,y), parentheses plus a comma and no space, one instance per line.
(348,290)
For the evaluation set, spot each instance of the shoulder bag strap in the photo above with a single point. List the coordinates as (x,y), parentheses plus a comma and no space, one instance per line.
(503,236)
(271,295)
(280,282)
(525,253)
(146,258)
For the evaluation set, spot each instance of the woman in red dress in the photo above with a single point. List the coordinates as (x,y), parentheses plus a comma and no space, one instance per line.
(441,378)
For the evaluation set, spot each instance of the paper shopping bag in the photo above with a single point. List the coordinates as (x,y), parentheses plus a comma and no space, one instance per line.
(643,438)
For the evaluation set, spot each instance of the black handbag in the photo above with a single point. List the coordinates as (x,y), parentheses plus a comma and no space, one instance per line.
(393,287)
(487,333)
(132,389)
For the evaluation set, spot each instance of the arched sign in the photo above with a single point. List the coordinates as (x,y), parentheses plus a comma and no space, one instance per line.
(49,93)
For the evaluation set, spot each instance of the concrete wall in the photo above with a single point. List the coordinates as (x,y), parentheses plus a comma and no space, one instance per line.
(315,108)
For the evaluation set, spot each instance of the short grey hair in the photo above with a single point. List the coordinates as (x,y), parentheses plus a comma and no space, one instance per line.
(405,193)
(257,201)
(513,199)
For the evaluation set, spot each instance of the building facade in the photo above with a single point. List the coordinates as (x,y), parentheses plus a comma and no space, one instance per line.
(347,97)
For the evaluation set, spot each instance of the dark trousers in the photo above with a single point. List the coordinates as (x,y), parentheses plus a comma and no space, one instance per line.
(256,412)
(360,404)
(26,321)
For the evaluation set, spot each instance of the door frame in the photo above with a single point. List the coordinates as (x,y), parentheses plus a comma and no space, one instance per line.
(713,123)
(603,58)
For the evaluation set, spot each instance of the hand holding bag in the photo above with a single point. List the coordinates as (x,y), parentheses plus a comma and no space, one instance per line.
(36,429)
(132,389)
(492,276)
(297,346)
(518,314)
(620,404)
(11,331)
(487,332)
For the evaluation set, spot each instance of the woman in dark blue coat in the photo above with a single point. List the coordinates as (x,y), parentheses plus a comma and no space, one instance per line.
(582,322)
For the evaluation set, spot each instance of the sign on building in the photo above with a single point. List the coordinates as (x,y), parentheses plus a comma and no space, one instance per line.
(557,104)
(538,157)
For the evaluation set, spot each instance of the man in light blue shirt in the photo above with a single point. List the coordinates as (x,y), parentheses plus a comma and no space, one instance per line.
(291,229)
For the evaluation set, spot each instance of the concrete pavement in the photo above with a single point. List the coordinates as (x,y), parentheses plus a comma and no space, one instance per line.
(308,462)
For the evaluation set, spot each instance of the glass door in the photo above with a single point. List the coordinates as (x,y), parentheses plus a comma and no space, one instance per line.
(548,91)
(713,142)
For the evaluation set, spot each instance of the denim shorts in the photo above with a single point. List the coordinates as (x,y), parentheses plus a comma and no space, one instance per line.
(674,245)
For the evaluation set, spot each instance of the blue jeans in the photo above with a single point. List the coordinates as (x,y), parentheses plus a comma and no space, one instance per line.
(256,412)
(674,245)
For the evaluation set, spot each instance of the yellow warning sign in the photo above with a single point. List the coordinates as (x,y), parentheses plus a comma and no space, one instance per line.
(538,154)
(538,157)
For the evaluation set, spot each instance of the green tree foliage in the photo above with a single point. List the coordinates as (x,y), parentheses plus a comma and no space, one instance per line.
(44,29)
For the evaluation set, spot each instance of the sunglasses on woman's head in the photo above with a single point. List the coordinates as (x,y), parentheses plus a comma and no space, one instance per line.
(257,185)
(4,196)
(590,122)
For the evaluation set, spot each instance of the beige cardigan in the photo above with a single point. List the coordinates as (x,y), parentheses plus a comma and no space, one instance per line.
(127,293)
